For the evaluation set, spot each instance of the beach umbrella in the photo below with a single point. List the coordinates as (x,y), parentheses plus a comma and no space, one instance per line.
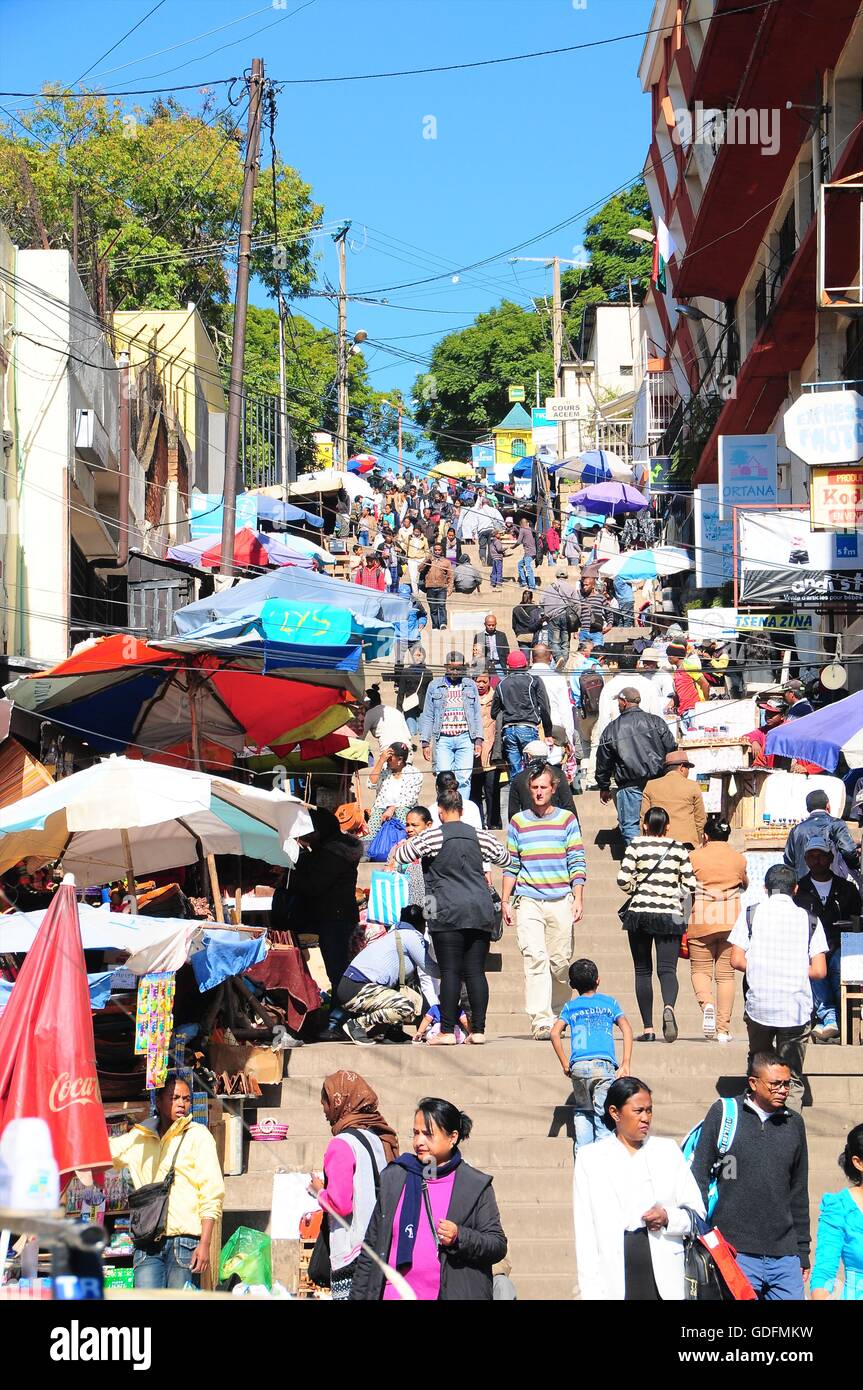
(647,564)
(327,480)
(362,463)
(453,468)
(611,499)
(47,1050)
(822,737)
(124,816)
(251,550)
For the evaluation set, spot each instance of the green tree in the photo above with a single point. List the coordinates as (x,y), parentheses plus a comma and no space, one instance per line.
(464,393)
(158,195)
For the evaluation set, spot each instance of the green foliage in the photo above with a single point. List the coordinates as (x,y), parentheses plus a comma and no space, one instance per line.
(464,393)
(159,194)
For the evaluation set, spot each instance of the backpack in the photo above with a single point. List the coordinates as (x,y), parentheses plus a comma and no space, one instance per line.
(590,685)
(727,1131)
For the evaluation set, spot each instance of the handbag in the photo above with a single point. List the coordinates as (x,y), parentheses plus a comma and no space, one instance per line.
(148,1207)
(351,815)
(624,910)
(684,947)
(497,927)
(702,1281)
(390,834)
(413,996)
(389,894)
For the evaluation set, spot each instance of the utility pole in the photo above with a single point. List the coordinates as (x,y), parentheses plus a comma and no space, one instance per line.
(400,437)
(286,447)
(556,326)
(241,304)
(342,427)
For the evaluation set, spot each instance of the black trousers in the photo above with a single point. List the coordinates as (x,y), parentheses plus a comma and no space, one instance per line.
(334,941)
(461,956)
(639,1284)
(667,955)
(485,791)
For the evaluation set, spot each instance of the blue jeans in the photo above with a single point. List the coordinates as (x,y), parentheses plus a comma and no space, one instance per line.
(526,576)
(168,1267)
(628,803)
(516,737)
(774,1278)
(825,993)
(413,723)
(454,753)
(589,1124)
(496,573)
(558,636)
(597,638)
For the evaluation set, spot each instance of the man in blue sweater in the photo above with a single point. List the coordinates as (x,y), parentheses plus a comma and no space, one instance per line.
(763,1177)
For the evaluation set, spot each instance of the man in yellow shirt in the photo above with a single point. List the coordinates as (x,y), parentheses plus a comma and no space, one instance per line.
(197,1191)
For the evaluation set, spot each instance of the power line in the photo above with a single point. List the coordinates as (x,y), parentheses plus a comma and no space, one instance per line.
(115,46)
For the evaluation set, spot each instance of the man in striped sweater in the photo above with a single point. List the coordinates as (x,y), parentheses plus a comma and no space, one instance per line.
(544,890)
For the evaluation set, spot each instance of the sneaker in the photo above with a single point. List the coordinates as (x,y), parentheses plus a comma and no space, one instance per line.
(542,1035)
(479,1038)
(709,1020)
(356,1033)
(669,1024)
(724,1038)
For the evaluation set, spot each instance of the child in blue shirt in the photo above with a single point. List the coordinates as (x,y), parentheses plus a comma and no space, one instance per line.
(592,1064)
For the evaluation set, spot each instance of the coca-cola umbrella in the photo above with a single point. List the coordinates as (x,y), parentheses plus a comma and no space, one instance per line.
(47,1053)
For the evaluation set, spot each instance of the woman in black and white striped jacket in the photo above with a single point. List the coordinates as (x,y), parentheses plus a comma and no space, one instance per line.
(656,875)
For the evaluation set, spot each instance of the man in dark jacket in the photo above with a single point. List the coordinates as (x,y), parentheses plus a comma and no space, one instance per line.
(520,798)
(833,900)
(491,647)
(631,751)
(762,1176)
(819,823)
(522,700)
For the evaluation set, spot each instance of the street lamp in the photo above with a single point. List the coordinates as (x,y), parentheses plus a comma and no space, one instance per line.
(689,311)
(641,234)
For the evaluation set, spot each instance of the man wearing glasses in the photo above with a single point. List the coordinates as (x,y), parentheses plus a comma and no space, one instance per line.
(781,949)
(757,1156)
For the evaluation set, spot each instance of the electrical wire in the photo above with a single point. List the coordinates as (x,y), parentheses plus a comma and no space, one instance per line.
(112,49)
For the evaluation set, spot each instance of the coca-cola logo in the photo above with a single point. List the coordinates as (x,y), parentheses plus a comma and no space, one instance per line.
(69,1090)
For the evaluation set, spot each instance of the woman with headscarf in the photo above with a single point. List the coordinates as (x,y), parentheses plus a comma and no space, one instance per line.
(361,1147)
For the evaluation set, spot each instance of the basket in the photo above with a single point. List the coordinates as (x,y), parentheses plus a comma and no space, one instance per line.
(269,1132)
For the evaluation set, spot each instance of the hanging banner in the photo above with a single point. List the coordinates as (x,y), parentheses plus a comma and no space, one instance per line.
(747,471)
(836,499)
(714,540)
(782,560)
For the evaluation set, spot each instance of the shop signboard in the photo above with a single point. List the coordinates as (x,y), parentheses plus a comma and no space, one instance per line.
(562,408)
(714,540)
(543,430)
(482,455)
(664,478)
(825,427)
(725,624)
(836,499)
(783,561)
(515,393)
(747,471)
(320,625)
(206,512)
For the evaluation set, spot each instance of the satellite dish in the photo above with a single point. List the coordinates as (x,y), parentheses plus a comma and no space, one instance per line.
(834,676)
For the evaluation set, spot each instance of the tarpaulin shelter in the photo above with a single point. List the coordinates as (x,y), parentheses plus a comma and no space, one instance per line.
(251,550)
(822,737)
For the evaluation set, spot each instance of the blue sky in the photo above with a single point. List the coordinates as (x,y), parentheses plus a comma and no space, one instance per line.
(518,148)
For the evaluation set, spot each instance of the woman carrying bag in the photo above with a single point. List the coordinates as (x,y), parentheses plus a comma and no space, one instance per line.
(171,1153)
(656,875)
(436,1220)
(632,1197)
(398,787)
(360,1149)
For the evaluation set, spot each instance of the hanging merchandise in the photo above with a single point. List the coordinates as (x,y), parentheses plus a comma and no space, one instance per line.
(154,1024)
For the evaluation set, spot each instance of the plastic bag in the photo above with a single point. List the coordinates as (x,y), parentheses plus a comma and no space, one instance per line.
(389,835)
(248,1254)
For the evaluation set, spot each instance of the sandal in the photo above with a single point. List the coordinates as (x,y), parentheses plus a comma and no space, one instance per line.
(646,1037)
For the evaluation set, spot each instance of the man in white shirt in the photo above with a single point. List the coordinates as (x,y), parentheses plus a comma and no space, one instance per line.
(663,681)
(557,690)
(781,949)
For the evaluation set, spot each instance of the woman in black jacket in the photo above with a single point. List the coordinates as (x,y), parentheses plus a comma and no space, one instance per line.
(412,680)
(526,621)
(436,1220)
(324,889)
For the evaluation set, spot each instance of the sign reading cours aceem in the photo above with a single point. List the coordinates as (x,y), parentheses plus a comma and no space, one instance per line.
(825,427)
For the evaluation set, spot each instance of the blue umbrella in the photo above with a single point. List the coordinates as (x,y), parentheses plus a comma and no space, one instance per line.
(821,737)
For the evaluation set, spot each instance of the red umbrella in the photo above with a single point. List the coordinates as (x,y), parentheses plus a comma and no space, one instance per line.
(248,550)
(47,1053)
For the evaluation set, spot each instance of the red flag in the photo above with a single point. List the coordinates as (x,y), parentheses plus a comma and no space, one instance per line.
(47,1052)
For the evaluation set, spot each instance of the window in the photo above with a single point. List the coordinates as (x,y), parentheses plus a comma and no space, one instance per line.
(625,369)
(519,449)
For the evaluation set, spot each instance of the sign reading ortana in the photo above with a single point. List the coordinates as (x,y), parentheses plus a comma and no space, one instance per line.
(836,499)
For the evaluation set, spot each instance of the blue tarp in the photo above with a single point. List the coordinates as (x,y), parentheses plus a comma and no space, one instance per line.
(224,955)
(821,737)
(100,990)
(244,601)
(271,509)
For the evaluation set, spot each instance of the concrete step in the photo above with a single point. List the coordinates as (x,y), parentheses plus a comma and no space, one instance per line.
(546,1288)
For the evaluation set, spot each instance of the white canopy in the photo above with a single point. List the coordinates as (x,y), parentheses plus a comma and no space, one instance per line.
(325,480)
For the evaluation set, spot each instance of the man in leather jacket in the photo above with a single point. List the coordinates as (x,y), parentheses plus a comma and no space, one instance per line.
(631,751)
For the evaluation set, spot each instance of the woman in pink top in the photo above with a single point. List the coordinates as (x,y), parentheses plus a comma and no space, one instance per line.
(436,1219)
